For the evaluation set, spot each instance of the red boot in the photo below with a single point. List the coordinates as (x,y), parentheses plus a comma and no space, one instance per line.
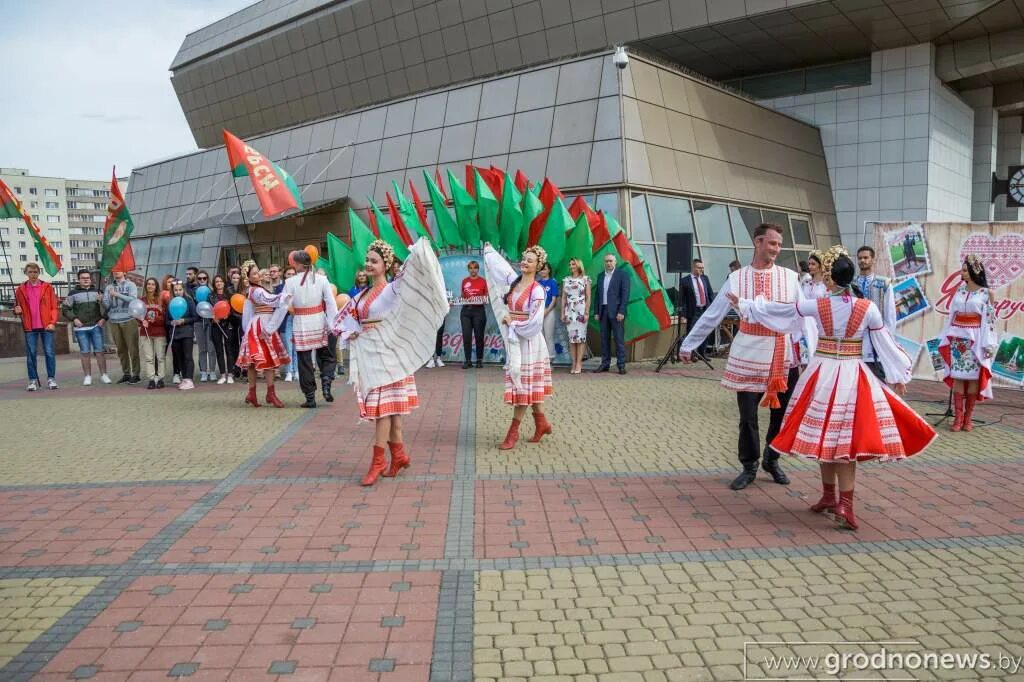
(541,427)
(399,459)
(968,424)
(828,499)
(272,397)
(251,396)
(512,437)
(958,412)
(844,510)
(377,466)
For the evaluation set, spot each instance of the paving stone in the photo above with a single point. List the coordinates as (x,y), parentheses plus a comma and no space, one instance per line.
(183,670)
(282,668)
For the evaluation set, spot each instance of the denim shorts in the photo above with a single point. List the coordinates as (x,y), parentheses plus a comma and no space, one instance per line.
(90,340)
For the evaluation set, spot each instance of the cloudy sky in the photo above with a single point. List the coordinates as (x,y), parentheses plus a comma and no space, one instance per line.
(88,84)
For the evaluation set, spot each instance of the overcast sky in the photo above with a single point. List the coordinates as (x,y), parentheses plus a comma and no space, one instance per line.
(88,85)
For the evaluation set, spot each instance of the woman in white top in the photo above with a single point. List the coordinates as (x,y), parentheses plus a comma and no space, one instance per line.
(969,343)
(262,349)
(576,311)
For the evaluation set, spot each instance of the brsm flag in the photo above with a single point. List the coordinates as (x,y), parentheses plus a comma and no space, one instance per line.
(10,207)
(275,189)
(117,252)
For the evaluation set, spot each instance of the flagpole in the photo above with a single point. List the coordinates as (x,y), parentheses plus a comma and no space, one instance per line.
(245,224)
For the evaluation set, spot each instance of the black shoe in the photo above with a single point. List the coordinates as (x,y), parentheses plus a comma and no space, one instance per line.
(479,364)
(134,379)
(160,383)
(602,368)
(125,379)
(310,402)
(776,472)
(746,477)
(328,396)
(622,370)
(151,385)
(465,365)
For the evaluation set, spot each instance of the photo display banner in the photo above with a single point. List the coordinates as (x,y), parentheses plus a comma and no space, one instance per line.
(924,261)
(454,268)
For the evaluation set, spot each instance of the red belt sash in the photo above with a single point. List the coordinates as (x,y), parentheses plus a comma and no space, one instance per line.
(777,369)
(311,310)
(263,309)
(840,349)
(967,319)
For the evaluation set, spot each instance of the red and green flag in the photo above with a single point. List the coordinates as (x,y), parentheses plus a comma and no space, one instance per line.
(362,237)
(578,244)
(398,221)
(549,192)
(342,263)
(117,231)
(465,212)
(414,224)
(552,239)
(510,224)
(447,228)
(421,210)
(522,182)
(275,189)
(10,207)
(531,209)
(487,210)
(388,232)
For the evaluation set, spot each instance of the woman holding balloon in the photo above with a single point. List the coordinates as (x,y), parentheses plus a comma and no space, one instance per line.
(262,350)
(182,310)
(204,328)
(152,332)
(222,330)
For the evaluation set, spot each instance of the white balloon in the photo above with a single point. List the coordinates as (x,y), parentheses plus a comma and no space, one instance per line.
(204,309)
(137,309)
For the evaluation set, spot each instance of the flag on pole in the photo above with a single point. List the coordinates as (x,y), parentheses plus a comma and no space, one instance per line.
(578,244)
(465,212)
(552,239)
(362,237)
(421,210)
(398,221)
(531,209)
(342,270)
(117,230)
(388,232)
(275,189)
(486,209)
(510,224)
(547,195)
(10,207)
(414,225)
(447,229)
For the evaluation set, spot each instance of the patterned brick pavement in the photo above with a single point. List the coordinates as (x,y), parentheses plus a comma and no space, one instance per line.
(212,541)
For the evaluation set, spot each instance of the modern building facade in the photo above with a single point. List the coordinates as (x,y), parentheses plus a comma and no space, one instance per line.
(820,115)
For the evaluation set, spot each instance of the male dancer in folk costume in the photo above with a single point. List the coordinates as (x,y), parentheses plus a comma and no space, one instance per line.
(761,362)
(389,329)
(262,349)
(518,302)
(969,343)
(878,290)
(313,308)
(841,413)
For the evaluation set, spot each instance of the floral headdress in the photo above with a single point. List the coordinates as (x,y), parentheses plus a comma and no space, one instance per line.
(831,256)
(817,255)
(975,264)
(248,265)
(385,251)
(540,253)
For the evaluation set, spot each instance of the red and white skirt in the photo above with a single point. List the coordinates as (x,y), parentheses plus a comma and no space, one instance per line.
(399,397)
(259,352)
(841,412)
(535,378)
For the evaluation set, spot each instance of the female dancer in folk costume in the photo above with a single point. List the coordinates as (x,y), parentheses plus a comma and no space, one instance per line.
(841,413)
(518,302)
(262,349)
(969,343)
(813,287)
(389,329)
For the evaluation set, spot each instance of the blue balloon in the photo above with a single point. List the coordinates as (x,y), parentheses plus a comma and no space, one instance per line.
(177,308)
(203,293)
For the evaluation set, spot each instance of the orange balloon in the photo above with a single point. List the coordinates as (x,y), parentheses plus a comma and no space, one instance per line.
(314,253)
(237,303)
(165,296)
(342,300)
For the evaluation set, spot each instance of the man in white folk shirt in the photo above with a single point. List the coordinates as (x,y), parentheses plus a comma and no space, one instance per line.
(761,362)
(877,289)
(313,311)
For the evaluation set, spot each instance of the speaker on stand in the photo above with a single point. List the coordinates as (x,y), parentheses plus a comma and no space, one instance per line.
(679,256)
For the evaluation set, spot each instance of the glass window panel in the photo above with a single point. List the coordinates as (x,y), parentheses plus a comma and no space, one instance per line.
(140,249)
(716,262)
(647,252)
(191,247)
(843,75)
(775,84)
(744,256)
(712,223)
(744,221)
(788,259)
(781,219)
(801,231)
(164,249)
(609,203)
(641,221)
(670,214)
(662,258)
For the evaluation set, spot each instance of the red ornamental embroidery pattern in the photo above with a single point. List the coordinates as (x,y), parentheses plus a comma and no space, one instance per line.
(1003,256)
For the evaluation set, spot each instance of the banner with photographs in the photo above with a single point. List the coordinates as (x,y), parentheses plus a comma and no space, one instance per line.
(924,259)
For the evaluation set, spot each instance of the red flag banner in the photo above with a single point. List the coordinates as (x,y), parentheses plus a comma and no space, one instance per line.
(10,207)
(275,189)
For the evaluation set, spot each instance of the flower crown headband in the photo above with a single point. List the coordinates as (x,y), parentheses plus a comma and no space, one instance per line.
(540,253)
(975,264)
(385,251)
(831,256)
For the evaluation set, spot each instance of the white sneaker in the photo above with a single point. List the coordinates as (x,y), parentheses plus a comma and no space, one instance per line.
(52,384)
(202,377)
(223,379)
(438,362)
(186,385)
(105,379)
(87,381)
(177,379)
(288,376)
(430,362)
(231,379)
(32,386)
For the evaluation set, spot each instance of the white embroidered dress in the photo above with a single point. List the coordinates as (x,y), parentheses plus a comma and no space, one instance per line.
(969,335)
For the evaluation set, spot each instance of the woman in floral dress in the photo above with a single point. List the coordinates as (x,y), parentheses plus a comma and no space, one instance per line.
(576,312)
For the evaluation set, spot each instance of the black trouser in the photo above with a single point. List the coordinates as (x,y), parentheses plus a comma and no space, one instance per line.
(473,317)
(750,439)
(438,340)
(691,322)
(610,327)
(181,353)
(234,332)
(222,335)
(327,362)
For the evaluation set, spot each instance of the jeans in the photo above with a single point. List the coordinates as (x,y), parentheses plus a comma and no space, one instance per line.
(31,341)
(204,342)
(90,340)
(289,345)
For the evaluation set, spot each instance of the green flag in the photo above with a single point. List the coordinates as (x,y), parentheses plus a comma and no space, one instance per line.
(447,228)
(341,269)
(362,237)
(116,231)
(579,244)
(388,232)
(511,222)
(410,218)
(640,320)
(465,212)
(532,207)
(552,239)
(486,210)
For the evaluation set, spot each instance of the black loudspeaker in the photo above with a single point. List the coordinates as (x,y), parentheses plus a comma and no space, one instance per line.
(680,251)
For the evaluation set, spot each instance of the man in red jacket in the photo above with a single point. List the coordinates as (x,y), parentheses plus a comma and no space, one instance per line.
(36,303)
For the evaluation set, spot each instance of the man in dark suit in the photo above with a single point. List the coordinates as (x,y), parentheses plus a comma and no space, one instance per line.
(611,295)
(697,295)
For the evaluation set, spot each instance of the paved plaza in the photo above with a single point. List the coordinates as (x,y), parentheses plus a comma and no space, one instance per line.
(154,535)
